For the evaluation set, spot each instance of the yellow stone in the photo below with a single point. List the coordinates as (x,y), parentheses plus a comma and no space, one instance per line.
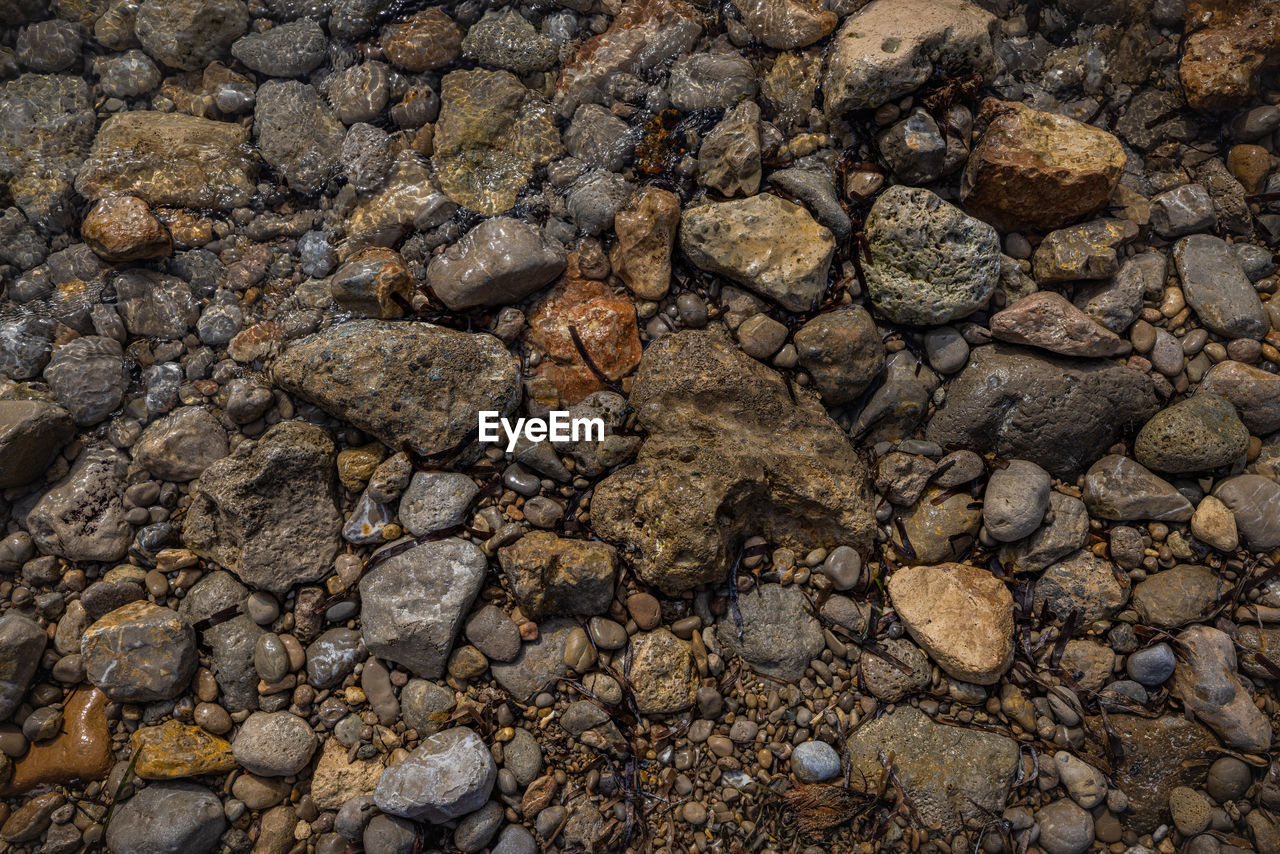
(356,465)
(174,750)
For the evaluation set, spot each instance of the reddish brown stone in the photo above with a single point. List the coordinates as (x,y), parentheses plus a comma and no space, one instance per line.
(426,40)
(82,751)
(1228,42)
(122,228)
(374,283)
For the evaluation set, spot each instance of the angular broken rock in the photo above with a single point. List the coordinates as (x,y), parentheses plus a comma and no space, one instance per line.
(1227,44)
(1047,320)
(32,432)
(1119,489)
(411,384)
(1208,685)
(646,231)
(447,776)
(83,517)
(961,615)
(716,467)
(268,512)
(139,653)
(554,575)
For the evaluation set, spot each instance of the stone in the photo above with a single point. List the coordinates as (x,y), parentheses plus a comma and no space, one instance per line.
(1117,302)
(32,432)
(550,575)
(504,39)
(88,377)
(140,652)
(1057,412)
(1081,252)
(22,642)
(889,49)
(422,41)
(1206,682)
(1015,501)
(599,139)
(1196,434)
(814,185)
(1222,56)
(1039,170)
(332,656)
(1255,503)
(122,228)
(939,526)
(1120,489)
(498,262)
(786,24)
(367,373)
(646,231)
(815,762)
(1216,287)
(1191,810)
(494,633)
(435,501)
(886,680)
(336,780)
(168,818)
(447,776)
(952,775)
(82,517)
(842,352)
(1151,666)
(291,49)
(181,445)
(1176,596)
(930,262)
(663,676)
(375,282)
(729,156)
(1086,785)
(155,306)
(718,460)
(914,149)
(231,643)
(1083,583)
(174,750)
(267,512)
(81,751)
(961,615)
(46,128)
(1255,393)
(711,81)
(1153,763)
(1183,210)
(413,604)
(274,744)
(297,134)
(1046,319)
(1068,532)
(170,159)
(769,245)
(1064,828)
(778,636)
(189,34)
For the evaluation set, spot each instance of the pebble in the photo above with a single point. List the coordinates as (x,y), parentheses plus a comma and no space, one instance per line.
(1152,666)
(1064,828)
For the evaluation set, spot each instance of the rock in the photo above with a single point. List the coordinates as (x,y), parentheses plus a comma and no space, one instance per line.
(170,159)
(663,675)
(729,156)
(961,615)
(297,133)
(187,34)
(122,228)
(539,663)
(1068,531)
(1047,320)
(887,49)
(1208,686)
(1084,583)
(1255,393)
(1191,810)
(595,198)
(1196,434)
(413,604)
(167,818)
(1183,210)
(842,352)
(711,81)
(274,744)
(815,762)
(498,262)
(173,750)
(436,500)
(332,656)
(667,512)
(786,24)
(554,576)
(1016,499)
(46,127)
(291,49)
(1119,489)
(1058,413)
(646,232)
(336,780)
(1085,251)
(765,243)
(778,636)
(504,39)
(267,511)
(1216,287)
(886,680)
(1153,763)
(88,377)
(814,185)
(422,41)
(1086,785)
(1255,503)
(22,642)
(939,527)
(82,517)
(447,776)
(231,643)
(1221,58)
(1039,170)
(32,432)
(952,775)
(914,149)
(81,751)
(494,633)
(155,306)
(1176,596)
(931,263)
(375,282)
(1116,303)
(1152,666)
(492,133)
(599,139)
(180,446)
(24,346)
(1064,828)
(367,372)
(139,653)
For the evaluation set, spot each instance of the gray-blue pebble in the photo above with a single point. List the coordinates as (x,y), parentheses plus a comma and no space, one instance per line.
(815,761)
(1152,666)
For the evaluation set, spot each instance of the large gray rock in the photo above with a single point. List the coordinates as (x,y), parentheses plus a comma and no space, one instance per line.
(779,634)
(88,376)
(1176,596)
(297,133)
(1216,287)
(930,262)
(447,776)
(46,127)
(189,34)
(139,653)
(155,306)
(953,775)
(500,261)
(22,643)
(168,818)
(268,512)
(409,384)
(1082,582)
(288,50)
(1059,413)
(231,643)
(728,454)
(83,517)
(32,432)
(1255,502)
(181,445)
(413,604)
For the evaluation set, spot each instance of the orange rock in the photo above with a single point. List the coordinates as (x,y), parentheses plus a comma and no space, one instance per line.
(81,752)
(1250,164)
(426,40)
(1228,43)
(122,228)
(606,324)
(173,750)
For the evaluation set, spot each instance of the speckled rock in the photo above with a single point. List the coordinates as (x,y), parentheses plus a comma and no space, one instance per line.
(552,575)
(1222,57)
(46,127)
(842,352)
(1082,582)
(32,432)
(663,674)
(1255,393)
(646,232)
(447,776)
(779,637)
(297,133)
(139,653)
(274,744)
(1196,434)
(82,517)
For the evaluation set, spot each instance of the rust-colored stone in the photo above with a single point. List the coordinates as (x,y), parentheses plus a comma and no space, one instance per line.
(1228,42)
(82,751)
(426,40)
(173,750)
(122,228)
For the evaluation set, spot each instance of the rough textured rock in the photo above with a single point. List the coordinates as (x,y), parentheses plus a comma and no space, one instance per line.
(786,24)
(83,517)
(646,231)
(1176,596)
(1153,764)
(414,604)
(88,376)
(274,744)
(713,417)
(32,432)
(168,818)
(770,245)
(1207,683)
(663,674)
(779,637)
(406,383)
(961,615)
(174,750)
(267,512)
(553,575)
(447,776)
(500,261)
(46,127)
(139,653)
(1082,582)
(952,775)
(1047,320)
(1223,55)
(189,34)
(843,353)
(1040,170)
(1199,433)
(297,133)
(1059,413)
(930,263)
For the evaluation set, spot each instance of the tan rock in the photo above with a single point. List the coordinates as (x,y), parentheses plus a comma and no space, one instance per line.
(336,780)
(1228,42)
(1039,170)
(122,228)
(663,675)
(646,230)
(961,615)
(374,283)
(1215,525)
(1250,164)
(1047,320)
(786,24)
(82,751)
(174,750)
(554,575)
(428,39)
